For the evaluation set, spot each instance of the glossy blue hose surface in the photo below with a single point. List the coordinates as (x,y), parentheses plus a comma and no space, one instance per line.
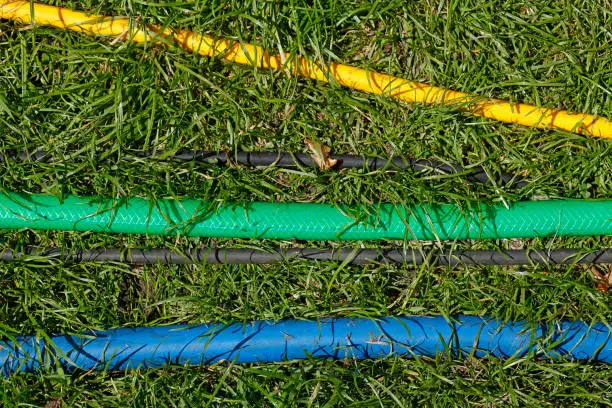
(265,341)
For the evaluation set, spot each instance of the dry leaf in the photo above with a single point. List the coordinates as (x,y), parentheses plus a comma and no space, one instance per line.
(603,282)
(320,154)
(54,403)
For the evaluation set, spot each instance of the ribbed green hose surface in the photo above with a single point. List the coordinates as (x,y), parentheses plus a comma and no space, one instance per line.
(305,221)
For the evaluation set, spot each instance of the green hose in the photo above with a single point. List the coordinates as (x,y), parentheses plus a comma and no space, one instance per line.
(305,221)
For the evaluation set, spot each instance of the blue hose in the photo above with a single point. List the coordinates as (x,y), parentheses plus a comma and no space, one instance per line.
(266,341)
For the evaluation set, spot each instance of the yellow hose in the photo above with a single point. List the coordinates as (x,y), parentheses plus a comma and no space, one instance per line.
(352,77)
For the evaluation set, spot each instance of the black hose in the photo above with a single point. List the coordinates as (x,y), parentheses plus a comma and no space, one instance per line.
(217,256)
(289,160)
(285,159)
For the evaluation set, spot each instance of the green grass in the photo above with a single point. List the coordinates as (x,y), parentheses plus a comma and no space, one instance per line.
(88,102)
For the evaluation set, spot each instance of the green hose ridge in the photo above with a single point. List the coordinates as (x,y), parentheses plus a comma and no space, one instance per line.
(305,221)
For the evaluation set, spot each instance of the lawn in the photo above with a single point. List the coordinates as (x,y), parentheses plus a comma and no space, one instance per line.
(89,101)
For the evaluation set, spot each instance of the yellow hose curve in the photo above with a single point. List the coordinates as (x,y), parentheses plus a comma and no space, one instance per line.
(351,77)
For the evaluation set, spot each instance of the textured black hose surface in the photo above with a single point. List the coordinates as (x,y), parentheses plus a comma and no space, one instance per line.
(290,160)
(286,159)
(216,256)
